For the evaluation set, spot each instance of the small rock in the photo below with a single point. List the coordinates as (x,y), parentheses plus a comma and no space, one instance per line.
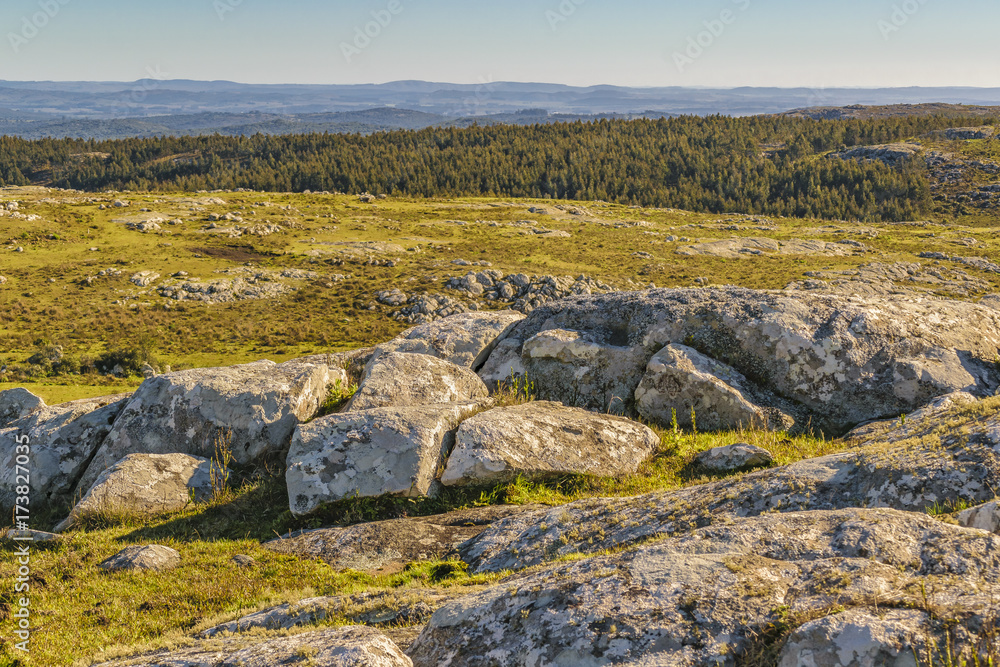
(151,557)
(244,561)
(740,456)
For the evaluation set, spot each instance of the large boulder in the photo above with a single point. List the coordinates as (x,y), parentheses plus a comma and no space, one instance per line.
(705,597)
(543,439)
(839,360)
(405,380)
(255,407)
(351,646)
(680,380)
(17,403)
(394,451)
(386,547)
(62,439)
(922,466)
(149,484)
(466,339)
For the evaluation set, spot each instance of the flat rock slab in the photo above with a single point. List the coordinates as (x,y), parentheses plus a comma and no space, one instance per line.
(137,558)
(258,404)
(386,547)
(62,440)
(405,380)
(352,646)
(17,403)
(148,484)
(543,439)
(465,339)
(386,451)
(701,599)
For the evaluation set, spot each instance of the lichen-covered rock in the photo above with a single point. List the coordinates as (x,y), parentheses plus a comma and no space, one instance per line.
(153,557)
(839,360)
(406,380)
(466,339)
(983,517)
(351,646)
(734,457)
(255,406)
(395,451)
(148,484)
(702,598)
(17,403)
(949,456)
(62,439)
(859,638)
(386,547)
(680,379)
(542,439)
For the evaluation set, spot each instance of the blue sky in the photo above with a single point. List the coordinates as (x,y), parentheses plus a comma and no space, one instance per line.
(811,43)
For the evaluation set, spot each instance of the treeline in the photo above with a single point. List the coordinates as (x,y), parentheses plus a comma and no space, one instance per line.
(765,165)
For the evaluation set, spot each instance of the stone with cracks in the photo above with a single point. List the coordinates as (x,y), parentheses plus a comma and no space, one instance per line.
(62,438)
(17,403)
(136,558)
(352,646)
(858,637)
(840,360)
(983,517)
(255,406)
(405,380)
(466,339)
(148,484)
(703,598)
(734,457)
(394,451)
(542,439)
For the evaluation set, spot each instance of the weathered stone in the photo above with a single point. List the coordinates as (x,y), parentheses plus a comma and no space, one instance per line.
(702,598)
(352,646)
(466,339)
(255,406)
(858,638)
(148,484)
(23,536)
(930,466)
(680,379)
(151,557)
(983,517)
(406,380)
(62,439)
(543,439)
(503,364)
(839,360)
(734,457)
(376,452)
(17,403)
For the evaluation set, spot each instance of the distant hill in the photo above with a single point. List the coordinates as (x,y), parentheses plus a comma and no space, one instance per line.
(861,112)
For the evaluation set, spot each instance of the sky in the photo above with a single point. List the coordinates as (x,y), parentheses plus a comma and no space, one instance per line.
(711,43)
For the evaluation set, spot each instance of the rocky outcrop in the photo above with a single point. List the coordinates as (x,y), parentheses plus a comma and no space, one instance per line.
(838,360)
(376,452)
(406,380)
(890,154)
(62,440)
(352,646)
(703,598)
(256,407)
(860,637)
(931,462)
(152,557)
(752,247)
(465,340)
(541,439)
(17,403)
(148,484)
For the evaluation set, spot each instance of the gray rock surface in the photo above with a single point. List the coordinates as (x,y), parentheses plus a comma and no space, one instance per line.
(258,404)
(890,154)
(680,379)
(543,439)
(701,598)
(465,339)
(754,246)
(983,517)
(407,380)
(153,557)
(147,484)
(62,439)
(394,451)
(17,403)
(352,646)
(858,638)
(931,462)
(734,457)
(840,360)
